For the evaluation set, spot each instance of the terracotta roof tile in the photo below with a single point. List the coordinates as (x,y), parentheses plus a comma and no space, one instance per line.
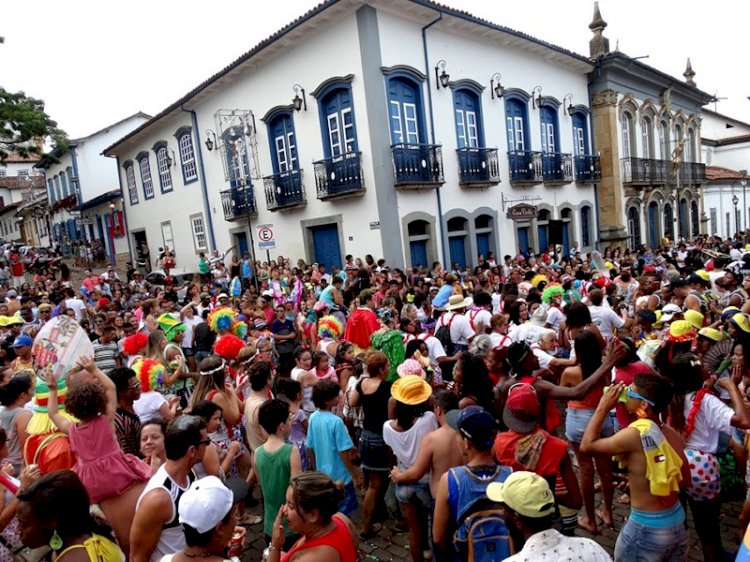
(718,173)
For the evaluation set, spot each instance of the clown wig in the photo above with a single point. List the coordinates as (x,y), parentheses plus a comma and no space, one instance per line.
(222,319)
(150,373)
(239,329)
(551,291)
(133,345)
(329,327)
(228,346)
(537,279)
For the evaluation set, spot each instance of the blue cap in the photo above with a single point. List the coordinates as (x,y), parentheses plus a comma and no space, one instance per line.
(22,341)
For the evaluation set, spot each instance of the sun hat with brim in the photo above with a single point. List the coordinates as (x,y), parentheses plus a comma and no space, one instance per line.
(458,301)
(681,331)
(410,367)
(695,318)
(526,493)
(711,334)
(411,390)
(742,322)
(3,321)
(728,312)
(14,320)
(475,424)
(522,408)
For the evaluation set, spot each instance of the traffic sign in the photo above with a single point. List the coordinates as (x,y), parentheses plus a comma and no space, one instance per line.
(265,237)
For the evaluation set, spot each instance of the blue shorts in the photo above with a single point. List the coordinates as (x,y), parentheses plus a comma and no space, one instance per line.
(646,543)
(349,504)
(576,421)
(373,451)
(188,351)
(418,491)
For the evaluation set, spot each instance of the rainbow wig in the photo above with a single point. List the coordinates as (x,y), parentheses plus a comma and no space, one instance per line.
(228,346)
(222,319)
(551,291)
(149,372)
(329,327)
(132,345)
(239,329)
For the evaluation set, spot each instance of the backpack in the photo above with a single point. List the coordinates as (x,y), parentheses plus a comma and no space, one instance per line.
(443,334)
(481,534)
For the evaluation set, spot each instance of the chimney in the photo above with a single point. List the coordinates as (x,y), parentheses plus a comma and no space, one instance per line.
(689,74)
(599,45)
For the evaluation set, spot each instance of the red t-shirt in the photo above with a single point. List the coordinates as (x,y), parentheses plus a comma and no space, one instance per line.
(16,268)
(340,539)
(553,451)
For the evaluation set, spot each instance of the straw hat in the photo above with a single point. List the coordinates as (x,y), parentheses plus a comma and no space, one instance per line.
(458,301)
(411,390)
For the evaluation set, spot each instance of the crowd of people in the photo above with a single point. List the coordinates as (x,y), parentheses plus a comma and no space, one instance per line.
(491,413)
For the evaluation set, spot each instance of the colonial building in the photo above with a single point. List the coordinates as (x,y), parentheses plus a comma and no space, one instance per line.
(647,131)
(397,128)
(20,184)
(85,202)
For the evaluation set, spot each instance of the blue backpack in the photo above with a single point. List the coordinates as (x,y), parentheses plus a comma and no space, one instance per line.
(481,534)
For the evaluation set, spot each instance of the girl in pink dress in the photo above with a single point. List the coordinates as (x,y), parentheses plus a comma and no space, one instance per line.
(112,478)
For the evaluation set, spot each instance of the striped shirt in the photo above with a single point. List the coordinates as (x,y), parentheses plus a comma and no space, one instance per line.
(105,355)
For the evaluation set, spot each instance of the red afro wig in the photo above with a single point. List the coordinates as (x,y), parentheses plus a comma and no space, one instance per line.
(132,345)
(228,346)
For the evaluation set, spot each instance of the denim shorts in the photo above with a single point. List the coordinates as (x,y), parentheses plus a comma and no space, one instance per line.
(373,451)
(576,421)
(419,491)
(641,543)
(349,504)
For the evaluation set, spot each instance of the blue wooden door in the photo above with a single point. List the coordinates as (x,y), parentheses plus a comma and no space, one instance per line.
(548,118)
(566,238)
(457,245)
(418,251)
(326,244)
(523,239)
(683,219)
(404,102)
(543,232)
(342,136)
(483,244)
(284,145)
(653,222)
(466,107)
(241,239)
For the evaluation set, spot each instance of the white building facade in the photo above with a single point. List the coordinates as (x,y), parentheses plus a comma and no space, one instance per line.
(83,191)
(397,128)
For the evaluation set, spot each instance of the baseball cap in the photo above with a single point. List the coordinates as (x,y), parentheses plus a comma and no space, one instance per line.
(208,501)
(526,493)
(11,293)
(22,341)
(474,423)
(222,296)
(205,296)
(669,311)
(522,408)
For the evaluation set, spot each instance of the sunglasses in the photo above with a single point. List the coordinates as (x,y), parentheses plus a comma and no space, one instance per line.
(633,394)
(204,442)
(134,385)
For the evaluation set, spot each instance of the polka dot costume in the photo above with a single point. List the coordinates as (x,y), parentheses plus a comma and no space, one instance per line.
(704,475)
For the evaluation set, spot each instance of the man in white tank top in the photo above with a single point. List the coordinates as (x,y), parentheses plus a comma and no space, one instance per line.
(156,530)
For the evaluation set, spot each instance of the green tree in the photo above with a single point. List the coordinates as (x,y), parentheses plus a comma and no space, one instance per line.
(25,127)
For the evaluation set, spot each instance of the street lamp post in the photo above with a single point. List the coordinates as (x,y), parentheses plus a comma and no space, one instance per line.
(736,200)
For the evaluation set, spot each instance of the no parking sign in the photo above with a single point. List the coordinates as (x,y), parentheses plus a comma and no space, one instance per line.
(265,237)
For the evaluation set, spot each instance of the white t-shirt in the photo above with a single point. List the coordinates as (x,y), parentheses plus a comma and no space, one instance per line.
(555,317)
(478,317)
(606,320)
(405,444)
(148,405)
(435,350)
(500,340)
(190,323)
(713,418)
(496,303)
(77,305)
(544,358)
(528,332)
(461,331)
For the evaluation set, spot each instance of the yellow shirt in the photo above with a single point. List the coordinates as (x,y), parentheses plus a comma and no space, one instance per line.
(99,549)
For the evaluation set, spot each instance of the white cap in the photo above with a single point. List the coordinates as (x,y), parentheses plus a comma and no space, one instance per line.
(222,296)
(208,501)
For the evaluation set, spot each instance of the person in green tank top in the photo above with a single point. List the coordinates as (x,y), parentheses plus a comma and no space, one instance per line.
(276,461)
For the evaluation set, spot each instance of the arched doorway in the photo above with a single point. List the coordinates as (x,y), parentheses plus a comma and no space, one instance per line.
(419,235)
(634,227)
(457,234)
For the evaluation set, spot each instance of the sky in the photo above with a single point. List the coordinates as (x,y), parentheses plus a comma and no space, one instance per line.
(95,63)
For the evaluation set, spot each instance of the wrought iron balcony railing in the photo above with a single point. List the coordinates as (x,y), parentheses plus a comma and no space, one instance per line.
(417,165)
(339,176)
(587,168)
(478,167)
(557,167)
(284,190)
(238,203)
(525,166)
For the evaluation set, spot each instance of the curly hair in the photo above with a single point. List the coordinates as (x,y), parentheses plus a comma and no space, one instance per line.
(86,401)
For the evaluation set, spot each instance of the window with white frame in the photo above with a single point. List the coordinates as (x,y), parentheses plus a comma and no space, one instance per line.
(187,156)
(165,174)
(23,173)
(130,178)
(198,227)
(146,179)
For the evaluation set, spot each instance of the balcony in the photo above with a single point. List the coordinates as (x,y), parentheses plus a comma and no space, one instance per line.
(417,165)
(525,166)
(478,167)
(284,190)
(238,203)
(645,171)
(587,169)
(692,173)
(339,176)
(557,167)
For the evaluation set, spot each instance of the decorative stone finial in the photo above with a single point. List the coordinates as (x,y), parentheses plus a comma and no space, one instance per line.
(689,74)
(599,45)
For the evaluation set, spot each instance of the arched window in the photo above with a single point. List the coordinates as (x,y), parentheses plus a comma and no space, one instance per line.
(467,111)
(653,224)
(457,233)
(483,230)
(165,173)
(634,227)
(517,128)
(405,104)
(130,180)
(628,134)
(690,147)
(550,134)
(668,222)
(694,218)
(187,155)
(419,235)
(647,137)
(339,131)
(146,179)
(665,141)
(283,143)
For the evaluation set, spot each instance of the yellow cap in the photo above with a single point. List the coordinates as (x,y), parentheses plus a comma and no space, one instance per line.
(703,274)
(712,334)
(526,493)
(694,317)
(3,321)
